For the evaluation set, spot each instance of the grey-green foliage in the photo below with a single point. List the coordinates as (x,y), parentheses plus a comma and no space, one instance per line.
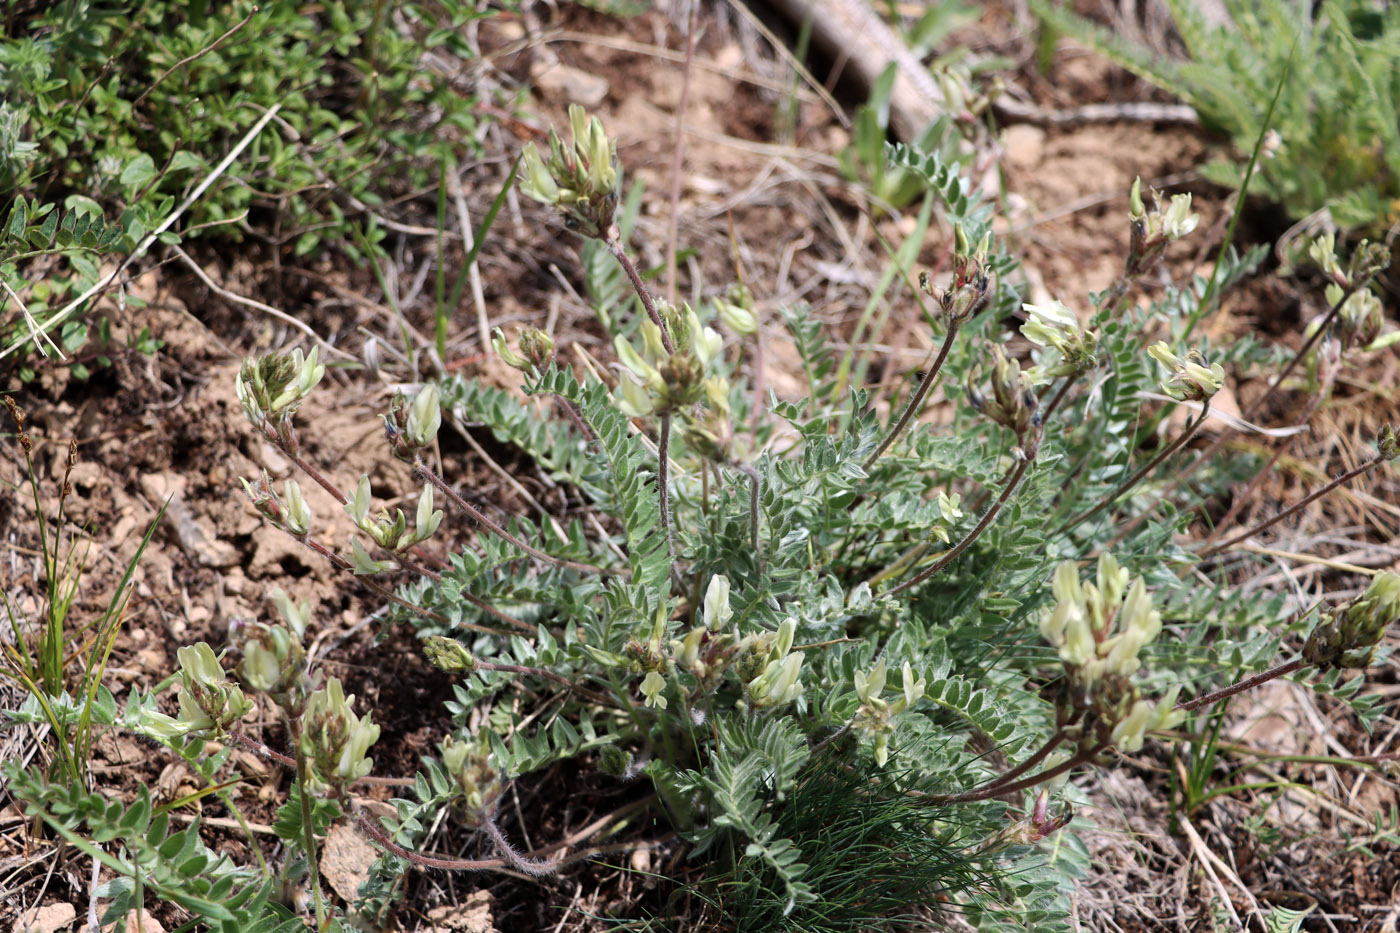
(727,771)
(1333,66)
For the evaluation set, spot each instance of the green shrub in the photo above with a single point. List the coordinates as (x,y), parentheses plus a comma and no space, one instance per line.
(117,112)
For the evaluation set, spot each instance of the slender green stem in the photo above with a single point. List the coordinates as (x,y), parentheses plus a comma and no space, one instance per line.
(615,247)
(1345,477)
(916,401)
(427,475)
(1137,477)
(308,832)
(1013,480)
(1248,683)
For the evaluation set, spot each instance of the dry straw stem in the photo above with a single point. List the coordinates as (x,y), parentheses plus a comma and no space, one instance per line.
(102,284)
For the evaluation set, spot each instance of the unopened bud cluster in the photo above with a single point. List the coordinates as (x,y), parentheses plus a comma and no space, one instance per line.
(971,279)
(1347,637)
(764,665)
(1098,629)
(536,349)
(335,740)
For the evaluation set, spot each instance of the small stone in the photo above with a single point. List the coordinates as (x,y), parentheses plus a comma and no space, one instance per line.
(48,918)
(562,82)
(1024,144)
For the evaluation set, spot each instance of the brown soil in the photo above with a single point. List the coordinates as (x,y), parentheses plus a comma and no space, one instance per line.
(167,429)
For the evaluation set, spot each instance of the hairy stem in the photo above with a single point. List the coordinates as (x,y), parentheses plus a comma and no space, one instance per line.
(998,789)
(427,475)
(1248,683)
(1348,475)
(1137,477)
(916,401)
(1013,480)
(615,247)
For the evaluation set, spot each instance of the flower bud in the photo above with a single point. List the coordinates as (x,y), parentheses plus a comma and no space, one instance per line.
(737,317)
(425,417)
(507,355)
(716,611)
(448,654)
(298,513)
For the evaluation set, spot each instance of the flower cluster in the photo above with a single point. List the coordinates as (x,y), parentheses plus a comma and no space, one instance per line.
(334,739)
(1098,630)
(412,427)
(876,715)
(291,514)
(971,279)
(1191,377)
(272,387)
(389,532)
(1056,327)
(209,701)
(1151,228)
(274,660)
(580,179)
(478,782)
(765,665)
(536,349)
(1014,403)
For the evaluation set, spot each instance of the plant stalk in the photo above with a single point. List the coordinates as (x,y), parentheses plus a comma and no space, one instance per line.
(1247,684)
(1269,523)
(1137,477)
(427,475)
(615,247)
(917,400)
(1012,482)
